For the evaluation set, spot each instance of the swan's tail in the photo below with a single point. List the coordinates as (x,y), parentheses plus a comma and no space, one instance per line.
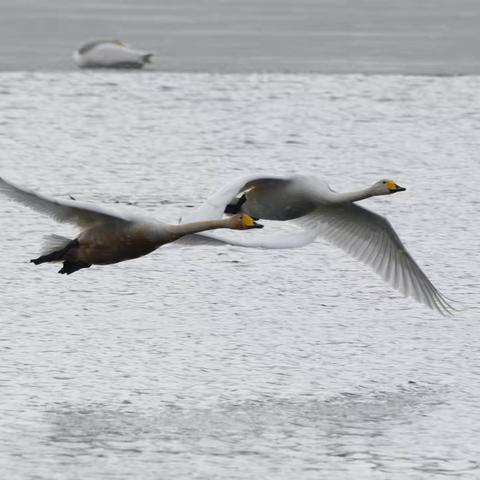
(53,243)
(54,249)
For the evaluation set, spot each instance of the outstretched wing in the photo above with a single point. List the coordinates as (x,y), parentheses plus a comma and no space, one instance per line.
(253,239)
(214,206)
(371,239)
(64,211)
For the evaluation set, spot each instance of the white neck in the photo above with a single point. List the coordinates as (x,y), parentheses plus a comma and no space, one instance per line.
(349,197)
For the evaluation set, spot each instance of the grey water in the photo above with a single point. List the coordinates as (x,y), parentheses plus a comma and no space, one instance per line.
(238,36)
(223,362)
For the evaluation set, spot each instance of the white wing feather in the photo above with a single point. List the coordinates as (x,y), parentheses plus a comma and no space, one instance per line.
(63,211)
(252,239)
(371,239)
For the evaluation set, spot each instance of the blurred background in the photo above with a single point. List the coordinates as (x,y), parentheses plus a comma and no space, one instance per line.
(349,36)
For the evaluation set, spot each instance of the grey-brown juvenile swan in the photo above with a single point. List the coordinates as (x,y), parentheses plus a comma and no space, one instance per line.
(107,237)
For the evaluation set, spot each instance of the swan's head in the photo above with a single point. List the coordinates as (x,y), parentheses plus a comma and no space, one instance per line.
(385,187)
(242,221)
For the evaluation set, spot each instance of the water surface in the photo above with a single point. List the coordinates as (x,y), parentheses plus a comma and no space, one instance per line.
(326,36)
(226,362)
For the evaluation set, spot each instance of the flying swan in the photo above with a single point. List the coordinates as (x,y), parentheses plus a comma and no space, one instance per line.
(110,54)
(108,237)
(321,212)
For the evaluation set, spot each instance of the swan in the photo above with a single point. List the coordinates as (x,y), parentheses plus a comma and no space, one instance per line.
(107,237)
(320,211)
(110,54)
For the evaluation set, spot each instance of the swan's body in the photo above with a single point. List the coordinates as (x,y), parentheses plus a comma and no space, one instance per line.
(108,237)
(322,212)
(110,54)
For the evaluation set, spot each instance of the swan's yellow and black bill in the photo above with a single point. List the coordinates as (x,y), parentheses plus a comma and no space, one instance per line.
(393,187)
(249,222)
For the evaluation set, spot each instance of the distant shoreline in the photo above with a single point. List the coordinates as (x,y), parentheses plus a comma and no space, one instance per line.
(150,70)
(435,37)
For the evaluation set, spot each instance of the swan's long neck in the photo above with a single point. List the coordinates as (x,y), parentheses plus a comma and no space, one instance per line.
(196,227)
(347,197)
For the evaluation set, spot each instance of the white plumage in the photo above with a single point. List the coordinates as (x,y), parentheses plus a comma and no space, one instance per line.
(110,54)
(319,211)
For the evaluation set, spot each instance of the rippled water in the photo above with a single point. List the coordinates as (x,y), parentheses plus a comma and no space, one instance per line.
(231,363)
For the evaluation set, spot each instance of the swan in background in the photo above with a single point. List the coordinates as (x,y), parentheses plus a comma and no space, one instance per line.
(319,211)
(110,54)
(108,237)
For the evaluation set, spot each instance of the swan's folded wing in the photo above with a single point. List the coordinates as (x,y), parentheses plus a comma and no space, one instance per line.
(214,206)
(63,211)
(371,239)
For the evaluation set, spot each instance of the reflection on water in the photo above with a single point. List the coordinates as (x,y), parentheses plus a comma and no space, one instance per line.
(340,433)
(223,362)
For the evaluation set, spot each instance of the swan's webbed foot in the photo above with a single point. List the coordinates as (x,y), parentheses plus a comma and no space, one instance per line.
(70,267)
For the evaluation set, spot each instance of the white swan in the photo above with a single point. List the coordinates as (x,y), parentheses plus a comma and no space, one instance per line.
(108,237)
(320,211)
(110,54)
